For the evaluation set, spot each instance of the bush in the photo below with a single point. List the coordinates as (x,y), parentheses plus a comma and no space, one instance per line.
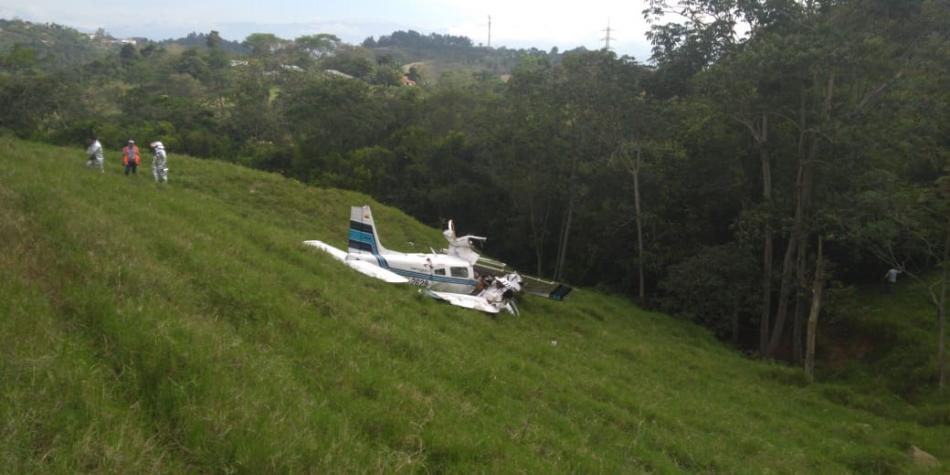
(716,285)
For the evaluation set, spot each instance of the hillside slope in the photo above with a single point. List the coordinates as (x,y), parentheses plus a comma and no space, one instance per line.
(50,44)
(176,328)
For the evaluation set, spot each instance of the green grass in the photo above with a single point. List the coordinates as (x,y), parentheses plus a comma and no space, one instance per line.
(184,328)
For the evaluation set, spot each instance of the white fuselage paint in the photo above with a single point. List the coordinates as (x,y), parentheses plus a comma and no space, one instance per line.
(438,272)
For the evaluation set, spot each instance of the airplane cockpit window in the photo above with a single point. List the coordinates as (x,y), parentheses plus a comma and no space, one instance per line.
(440,272)
(459,271)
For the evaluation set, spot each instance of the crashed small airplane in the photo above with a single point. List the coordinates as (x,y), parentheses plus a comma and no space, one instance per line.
(457,275)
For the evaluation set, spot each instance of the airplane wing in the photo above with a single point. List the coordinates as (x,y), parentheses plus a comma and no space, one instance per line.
(337,254)
(530,284)
(462,300)
(544,288)
(362,267)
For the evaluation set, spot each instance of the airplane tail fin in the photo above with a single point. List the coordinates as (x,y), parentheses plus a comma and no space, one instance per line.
(362,234)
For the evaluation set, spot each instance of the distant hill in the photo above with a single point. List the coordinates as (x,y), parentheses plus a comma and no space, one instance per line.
(184,328)
(52,44)
(409,46)
(445,52)
(200,41)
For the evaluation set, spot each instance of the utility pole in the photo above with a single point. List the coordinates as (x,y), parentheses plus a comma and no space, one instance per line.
(606,39)
(489,31)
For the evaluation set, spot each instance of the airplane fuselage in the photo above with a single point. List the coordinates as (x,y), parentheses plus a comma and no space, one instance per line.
(438,272)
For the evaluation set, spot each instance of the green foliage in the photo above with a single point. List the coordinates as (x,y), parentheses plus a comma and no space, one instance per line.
(356,62)
(56,46)
(892,339)
(211,40)
(318,45)
(715,287)
(262,44)
(20,57)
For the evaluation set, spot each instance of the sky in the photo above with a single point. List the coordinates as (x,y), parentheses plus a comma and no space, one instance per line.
(515,23)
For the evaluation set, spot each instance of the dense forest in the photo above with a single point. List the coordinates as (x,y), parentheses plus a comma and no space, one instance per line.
(768,154)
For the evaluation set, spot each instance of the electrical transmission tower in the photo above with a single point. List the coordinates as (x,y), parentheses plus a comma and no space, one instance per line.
(606,39)
(489,31)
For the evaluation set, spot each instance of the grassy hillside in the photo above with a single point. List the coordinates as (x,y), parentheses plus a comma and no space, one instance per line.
(176,328)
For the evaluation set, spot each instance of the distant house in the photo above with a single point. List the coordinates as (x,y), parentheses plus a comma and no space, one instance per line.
(338,74)
(505,77)
(238,62)
(406,81)
(109,40)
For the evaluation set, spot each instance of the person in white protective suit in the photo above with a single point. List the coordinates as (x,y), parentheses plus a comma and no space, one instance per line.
(159,162)
(96,157)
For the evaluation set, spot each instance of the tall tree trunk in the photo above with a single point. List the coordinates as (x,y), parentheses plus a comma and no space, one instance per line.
(942,311)
(800,302)
(792,244)
(788,263)
(565,234)
(636,201)
(764,324)
(805,187)
(538,231)
(735,323)
(819,284)
(538,243)
(804,191)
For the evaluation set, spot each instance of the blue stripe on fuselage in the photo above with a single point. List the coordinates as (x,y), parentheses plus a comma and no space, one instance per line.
(432,277)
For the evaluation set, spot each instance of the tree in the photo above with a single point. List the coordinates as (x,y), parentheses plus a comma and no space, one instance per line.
(812,332)
(193,64)
(414,74)
(318,45)
(909,229)
(213,41)
(20,57)
(263,44)
(127,54)
(740,86)
(355,61)
(630,156)
(590,93)
(714,287)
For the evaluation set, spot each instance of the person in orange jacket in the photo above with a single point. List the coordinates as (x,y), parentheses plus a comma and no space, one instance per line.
(130,157)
